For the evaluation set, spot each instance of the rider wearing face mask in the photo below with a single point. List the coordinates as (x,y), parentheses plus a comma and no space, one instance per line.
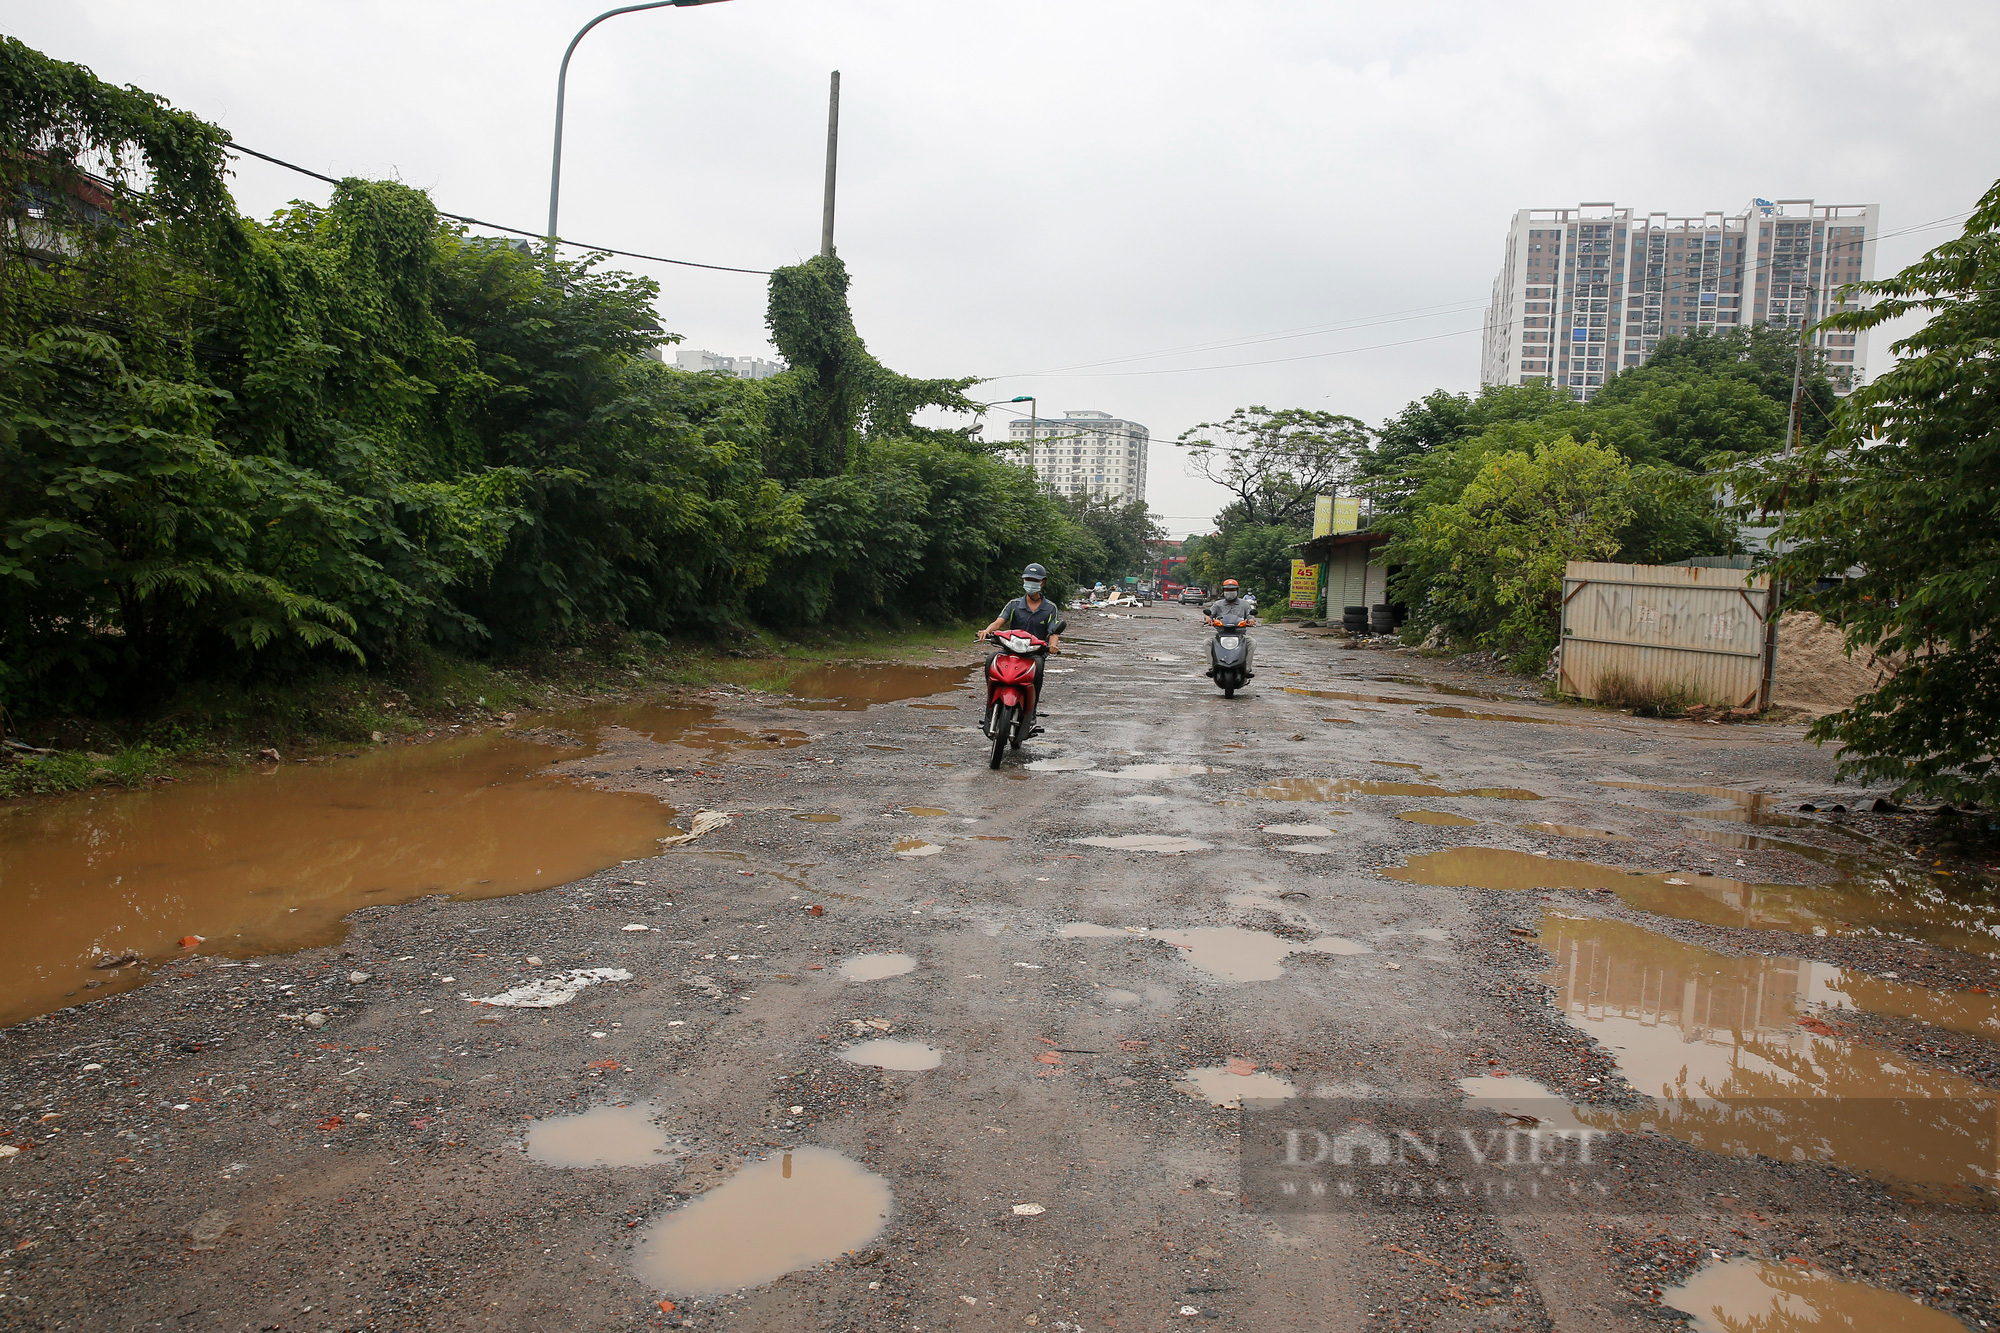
(1232,611)
(1034,614)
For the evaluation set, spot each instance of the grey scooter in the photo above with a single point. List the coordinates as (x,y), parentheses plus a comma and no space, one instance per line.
(1229,659)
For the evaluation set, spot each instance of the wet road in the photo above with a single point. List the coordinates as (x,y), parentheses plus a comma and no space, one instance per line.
(909,1044)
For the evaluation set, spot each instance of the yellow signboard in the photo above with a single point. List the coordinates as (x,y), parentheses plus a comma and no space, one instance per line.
(1305,586)
(1322,516)
(1346,514)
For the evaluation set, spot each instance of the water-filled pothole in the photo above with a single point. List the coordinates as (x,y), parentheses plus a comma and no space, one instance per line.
(1339,789)
(849,687)
(1146,842)
(876,966)
(1228,1085)
(819,817)
(1302,830)
(1468,715)
(1061,765)
(915,847)
(1233,953)
(1158,771)
(1577,831)
(890,1053)
(1741,1295)
(799,1208)
(602,1136)
(273,859)
(1881,904)
(1739,1055)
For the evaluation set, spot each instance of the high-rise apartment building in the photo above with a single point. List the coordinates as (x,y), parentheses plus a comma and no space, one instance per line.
(1086,452)
(742,367)
(1588,291)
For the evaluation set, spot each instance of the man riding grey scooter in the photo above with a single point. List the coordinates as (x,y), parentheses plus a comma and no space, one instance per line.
(1232,612)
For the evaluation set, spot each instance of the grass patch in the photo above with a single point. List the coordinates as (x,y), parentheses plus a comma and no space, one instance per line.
(1615,689)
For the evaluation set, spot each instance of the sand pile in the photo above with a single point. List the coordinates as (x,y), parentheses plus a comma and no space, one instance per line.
(1813,673)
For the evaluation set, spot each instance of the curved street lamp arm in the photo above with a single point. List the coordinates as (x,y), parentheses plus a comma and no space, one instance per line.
(562,84)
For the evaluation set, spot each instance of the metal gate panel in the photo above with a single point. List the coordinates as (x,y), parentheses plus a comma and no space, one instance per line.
(1665,626)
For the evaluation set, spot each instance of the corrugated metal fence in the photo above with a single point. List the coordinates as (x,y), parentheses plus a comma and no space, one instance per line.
(1665,626)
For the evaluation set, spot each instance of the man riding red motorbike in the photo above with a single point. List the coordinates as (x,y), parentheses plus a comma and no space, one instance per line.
(1027,630)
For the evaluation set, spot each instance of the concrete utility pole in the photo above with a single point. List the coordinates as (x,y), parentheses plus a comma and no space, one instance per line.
(832,159)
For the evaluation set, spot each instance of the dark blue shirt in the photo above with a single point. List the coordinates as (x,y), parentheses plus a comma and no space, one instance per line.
(1017,615)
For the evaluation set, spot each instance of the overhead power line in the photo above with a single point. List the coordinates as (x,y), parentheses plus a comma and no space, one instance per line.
(533,235)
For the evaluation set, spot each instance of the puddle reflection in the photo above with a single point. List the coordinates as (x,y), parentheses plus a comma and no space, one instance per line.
(1339,789)
(601,1136)
(799,1208)
(876,966)
(1890,901)
(889,1053)
(1233,953)
(1697,1030)
(1746,1295)
(850,687)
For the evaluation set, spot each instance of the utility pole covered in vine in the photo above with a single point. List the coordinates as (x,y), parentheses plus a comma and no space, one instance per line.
(832,158)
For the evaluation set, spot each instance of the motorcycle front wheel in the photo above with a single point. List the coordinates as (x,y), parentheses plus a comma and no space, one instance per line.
(1003,727)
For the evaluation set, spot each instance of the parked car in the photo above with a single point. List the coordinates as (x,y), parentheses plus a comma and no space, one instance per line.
(1193,594)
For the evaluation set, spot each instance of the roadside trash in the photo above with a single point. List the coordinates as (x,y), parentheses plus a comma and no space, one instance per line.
(548,992)
(270,754)
(189,941)
(378,738)
(815,910)
(1392,967)
(9,1150)
(357,978)
(532,961)
(1029,1210)
(636,926)
(704,821)
(117,960)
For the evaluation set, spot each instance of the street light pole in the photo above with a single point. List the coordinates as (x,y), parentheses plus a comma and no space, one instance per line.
(562,84)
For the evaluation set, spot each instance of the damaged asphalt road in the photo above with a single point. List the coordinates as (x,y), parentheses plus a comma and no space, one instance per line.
(339,1138)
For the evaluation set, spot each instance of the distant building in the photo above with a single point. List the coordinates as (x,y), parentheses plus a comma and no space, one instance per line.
(742,367)
(1086,452)
(1588,291)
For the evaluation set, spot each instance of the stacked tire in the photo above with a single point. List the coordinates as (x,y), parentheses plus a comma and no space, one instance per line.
(1381,620)
(1354,619)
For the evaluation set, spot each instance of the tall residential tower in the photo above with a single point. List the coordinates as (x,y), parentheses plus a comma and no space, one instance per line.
(1087,452)
(1587,291)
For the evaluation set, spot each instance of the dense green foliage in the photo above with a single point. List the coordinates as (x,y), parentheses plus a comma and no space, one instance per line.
(1893,526)
(232,448)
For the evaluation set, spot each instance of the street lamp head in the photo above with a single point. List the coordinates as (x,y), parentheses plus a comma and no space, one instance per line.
(1024,398)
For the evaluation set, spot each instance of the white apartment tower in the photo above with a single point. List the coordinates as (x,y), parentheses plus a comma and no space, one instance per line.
(1090,453)
(1588,291)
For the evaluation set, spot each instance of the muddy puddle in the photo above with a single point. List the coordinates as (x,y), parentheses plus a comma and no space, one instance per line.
(1061,765)
(908,847)
(1232,953)
(1468,715)
(1435,818)
(1084,930)
(1339,789)
(601,1136)
(1746,807)
(1763,1296)
(1456,691)
(1739,1056)
(876,966)
(691,727)
(1889,901)
(1577,831)
(889,1053)
(923,811)
(271,859)
(1146,842)
(849,687)
(819,817)
(1350,698)
(1303,830)
(798,1208)
(1157,771)
(1228,1085)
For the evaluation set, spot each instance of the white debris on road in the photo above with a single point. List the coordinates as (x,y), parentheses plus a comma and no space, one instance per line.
(548,992)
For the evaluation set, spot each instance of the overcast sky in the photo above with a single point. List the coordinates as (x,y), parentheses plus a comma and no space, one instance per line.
(1038,185)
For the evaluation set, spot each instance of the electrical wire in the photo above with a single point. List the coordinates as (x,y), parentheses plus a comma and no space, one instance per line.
(535,235)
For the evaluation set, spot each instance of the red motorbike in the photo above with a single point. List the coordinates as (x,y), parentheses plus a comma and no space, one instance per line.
(1010,690)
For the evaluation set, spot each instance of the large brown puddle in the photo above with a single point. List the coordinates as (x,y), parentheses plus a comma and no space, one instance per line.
(1747,807)
(272,860)
(1887,902)
(1697,1031)
(849,687)
(798,1208)
(1339,789)
(1762,1296)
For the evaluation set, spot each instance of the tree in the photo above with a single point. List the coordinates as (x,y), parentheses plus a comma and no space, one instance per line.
(1276,463)
(1491,562)
(1126,533)
(1898,511)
